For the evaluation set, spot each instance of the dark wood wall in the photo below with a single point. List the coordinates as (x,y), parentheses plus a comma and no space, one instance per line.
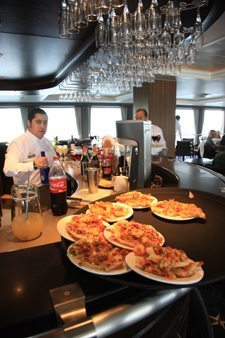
(159,99)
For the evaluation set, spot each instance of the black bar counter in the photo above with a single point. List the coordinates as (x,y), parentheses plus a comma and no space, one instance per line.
(27,275)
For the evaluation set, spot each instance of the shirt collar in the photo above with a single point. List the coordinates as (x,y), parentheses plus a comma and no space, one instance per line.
(33,137)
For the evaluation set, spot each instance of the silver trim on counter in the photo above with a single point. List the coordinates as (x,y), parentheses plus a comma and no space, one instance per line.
(117,318)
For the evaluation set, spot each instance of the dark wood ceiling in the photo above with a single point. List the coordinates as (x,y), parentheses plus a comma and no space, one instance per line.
(34,57)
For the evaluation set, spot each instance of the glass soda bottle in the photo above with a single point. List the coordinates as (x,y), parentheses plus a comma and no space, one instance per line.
(106,165)
(44,172)
(84,159)
(58,188)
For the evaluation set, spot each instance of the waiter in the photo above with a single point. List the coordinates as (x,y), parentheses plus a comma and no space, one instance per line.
(23,155)
(159,148)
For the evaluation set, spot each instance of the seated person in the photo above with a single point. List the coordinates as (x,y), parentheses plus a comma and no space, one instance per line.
(222,141)
(24,153)
(218,163)
(159,148)
(209,147)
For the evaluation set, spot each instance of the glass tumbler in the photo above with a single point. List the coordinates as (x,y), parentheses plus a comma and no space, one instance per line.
(27,220)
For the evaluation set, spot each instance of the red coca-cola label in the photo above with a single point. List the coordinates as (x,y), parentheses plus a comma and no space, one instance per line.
(107,170)
(57,185)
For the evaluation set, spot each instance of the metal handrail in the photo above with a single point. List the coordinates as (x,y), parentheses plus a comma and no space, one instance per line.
(117,318)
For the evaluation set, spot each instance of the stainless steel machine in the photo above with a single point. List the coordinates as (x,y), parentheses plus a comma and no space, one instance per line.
(137,135)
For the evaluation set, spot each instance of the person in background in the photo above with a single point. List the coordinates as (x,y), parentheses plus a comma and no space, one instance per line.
(24,153)
(218,163)
(107,142)
(222,141)
(218,136)
(160,148)
(178,127)
(209,147)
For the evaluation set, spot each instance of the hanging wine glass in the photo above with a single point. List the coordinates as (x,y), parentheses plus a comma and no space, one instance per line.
(101,32)
(126,26)
(62,21)
(197,36)
(117,3)
(113,28)
(103,6)
(80,14)
(91,12)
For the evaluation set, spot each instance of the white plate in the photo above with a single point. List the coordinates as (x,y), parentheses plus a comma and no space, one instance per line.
(173,218)
(73,260)
(154,200)
(130,260)
(108,236)
(128,215)
(105,184)
(61,227)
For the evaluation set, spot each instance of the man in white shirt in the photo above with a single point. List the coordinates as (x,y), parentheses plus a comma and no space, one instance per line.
(158,148)
(178,127)
(23,155)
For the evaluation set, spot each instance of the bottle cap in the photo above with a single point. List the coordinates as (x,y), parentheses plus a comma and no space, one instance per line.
(55,158)
(43,153)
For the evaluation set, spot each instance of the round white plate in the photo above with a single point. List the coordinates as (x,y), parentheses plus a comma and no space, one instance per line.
(61,227)
(105,184)
(128,215)
(154,200)
(173,218)
(130,260)
(73,260)
(108,235)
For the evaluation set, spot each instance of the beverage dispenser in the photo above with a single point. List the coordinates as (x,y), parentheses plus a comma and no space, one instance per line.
(137,135)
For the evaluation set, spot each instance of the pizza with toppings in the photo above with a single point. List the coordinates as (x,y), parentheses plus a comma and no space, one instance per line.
(100,255)
(85,226)
(166,262)
(172,209)
(110,212)
(136,199)
(128,234)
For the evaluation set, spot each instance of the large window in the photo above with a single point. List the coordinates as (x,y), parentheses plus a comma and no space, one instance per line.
(213,119)
(11,124)
(61,123)
(187,122)
(103,120)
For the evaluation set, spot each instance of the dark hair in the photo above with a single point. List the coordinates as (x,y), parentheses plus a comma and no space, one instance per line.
(178,117)
(34,111)
(144,110)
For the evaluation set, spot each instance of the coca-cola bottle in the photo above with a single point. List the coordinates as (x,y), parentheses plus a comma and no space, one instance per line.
(58,188)
(106,165)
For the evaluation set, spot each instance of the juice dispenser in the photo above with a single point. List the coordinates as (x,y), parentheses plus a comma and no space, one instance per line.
(137,136)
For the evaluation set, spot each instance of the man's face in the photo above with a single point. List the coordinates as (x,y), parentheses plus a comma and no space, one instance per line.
(38,125)
(140,115)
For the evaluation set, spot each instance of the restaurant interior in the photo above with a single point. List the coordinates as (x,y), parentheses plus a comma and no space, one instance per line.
(75,58)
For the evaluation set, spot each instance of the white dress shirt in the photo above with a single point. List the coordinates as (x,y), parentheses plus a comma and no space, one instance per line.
(20,155)
(178,129)
(158,147)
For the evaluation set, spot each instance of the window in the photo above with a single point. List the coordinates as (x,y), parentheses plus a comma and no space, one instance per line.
(213,119)
(61,123)
(187,122)
(11,124)
(103,120)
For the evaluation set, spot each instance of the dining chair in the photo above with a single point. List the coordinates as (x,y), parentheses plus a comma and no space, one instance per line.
(184,148)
